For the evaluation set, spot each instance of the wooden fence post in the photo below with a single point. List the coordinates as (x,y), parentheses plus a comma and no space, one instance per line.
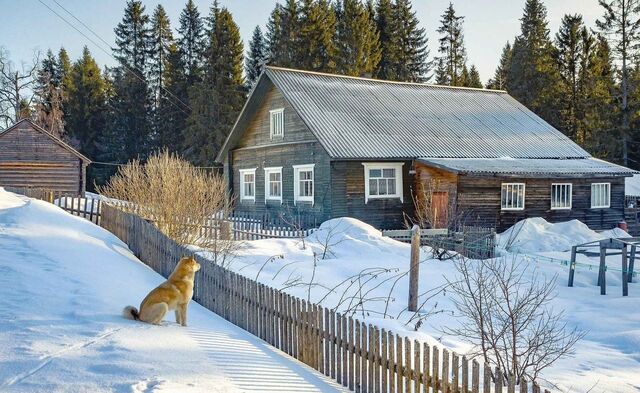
(572,266)
(625,274)
(414,268)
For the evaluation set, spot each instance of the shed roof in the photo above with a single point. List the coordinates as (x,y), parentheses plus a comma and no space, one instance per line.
(542,167)
(54,138)
(367,118)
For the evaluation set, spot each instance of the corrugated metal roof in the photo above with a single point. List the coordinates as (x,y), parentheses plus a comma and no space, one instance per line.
(367,118)
(533,167)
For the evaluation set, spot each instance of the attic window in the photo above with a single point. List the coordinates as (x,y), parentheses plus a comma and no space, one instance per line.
(276,123)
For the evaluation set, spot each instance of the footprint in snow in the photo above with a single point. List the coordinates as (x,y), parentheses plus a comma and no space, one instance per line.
(148,385)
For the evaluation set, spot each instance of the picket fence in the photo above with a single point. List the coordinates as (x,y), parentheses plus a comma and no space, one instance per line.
(77,205)
(359,356)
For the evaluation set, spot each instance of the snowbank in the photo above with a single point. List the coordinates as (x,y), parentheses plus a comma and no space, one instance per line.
(63,284)
(536,234)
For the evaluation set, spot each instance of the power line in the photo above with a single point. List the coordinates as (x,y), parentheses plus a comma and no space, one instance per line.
(108,53)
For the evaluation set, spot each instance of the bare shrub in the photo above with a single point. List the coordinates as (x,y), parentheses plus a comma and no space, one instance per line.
(506,315)
(186,203)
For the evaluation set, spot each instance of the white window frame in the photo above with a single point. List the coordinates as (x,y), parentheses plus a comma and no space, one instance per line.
(276,121)
(383,165)
(524,196)
(243,195)
(562,186)
(267,185)
(296,183)
(608,196)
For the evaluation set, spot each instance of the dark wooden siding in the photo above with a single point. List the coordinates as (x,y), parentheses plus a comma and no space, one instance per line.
(479,198)
(29,158)
(256,149)
(347,178)
(257,133)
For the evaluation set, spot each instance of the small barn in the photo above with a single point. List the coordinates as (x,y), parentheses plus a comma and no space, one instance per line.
(32,157)
(329,146)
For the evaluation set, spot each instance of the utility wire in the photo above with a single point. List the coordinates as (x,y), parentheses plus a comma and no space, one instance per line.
(109,53)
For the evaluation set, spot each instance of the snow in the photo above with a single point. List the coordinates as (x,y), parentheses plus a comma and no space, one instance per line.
(363,267)
(632,185)
(63,284)
(534,235)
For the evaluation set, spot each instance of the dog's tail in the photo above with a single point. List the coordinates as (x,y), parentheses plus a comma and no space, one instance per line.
(131,312)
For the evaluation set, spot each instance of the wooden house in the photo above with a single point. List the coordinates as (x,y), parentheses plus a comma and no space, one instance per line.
(331,146)
(32,157)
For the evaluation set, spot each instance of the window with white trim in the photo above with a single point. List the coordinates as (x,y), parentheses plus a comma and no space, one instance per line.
(561,196)
(382,180)
(276,123)
(600,195)
(303,183)
(512,196)
(273,183)
(248,184)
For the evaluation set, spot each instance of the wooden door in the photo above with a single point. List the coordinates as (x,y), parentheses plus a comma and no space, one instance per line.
(440,209)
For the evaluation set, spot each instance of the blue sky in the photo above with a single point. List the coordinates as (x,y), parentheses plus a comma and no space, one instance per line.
(27,25)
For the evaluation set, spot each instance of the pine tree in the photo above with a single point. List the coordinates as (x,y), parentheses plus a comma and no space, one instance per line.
(132,101)
(256,57)
(411,44)
(48,96)
(161,42)
(317,36)
(191,42)
(386,27)
(172,118)
(533,76)
(621,24)
(499,80)
(452,50)
(283,36)
(217,101)
(357,39)
(473,79)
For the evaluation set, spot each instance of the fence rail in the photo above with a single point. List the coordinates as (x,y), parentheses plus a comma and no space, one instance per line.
(359,356)
(472,242)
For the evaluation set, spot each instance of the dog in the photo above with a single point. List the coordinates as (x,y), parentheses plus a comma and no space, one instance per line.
(173,294)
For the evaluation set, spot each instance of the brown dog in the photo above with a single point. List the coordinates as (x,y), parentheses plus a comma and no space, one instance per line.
(173,294)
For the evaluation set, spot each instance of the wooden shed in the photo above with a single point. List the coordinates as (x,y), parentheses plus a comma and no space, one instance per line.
(32,157)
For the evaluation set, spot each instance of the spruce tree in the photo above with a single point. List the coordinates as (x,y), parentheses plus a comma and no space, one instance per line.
(533,77)
(499,80)
(132,101)
(256,57)
(621,24)
(48,96)
(357,39)
(569,41)
(191,43)
(161,42)
(175,109)
(317,36)
(283,35)
(86,107)
(217,101)
(386,27)
(411,45)
(474,78)
(452,50)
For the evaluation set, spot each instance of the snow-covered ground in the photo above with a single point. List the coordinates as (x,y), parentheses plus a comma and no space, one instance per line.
(365,274)
(63,284)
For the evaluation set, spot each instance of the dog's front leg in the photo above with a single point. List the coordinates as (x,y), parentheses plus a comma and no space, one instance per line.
(178,316)
(183,312)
